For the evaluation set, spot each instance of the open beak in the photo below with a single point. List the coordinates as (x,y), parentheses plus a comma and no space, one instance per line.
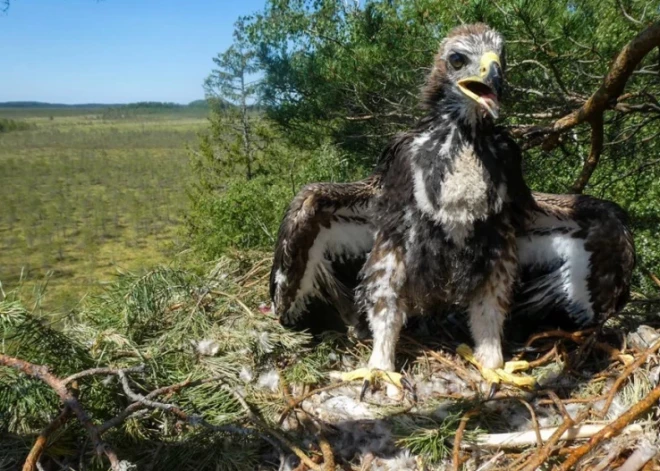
(486,88)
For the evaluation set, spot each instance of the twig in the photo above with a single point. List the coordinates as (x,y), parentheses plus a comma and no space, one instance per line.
(627,15)
(542,455)
(69,400)
(578,337)
(235,299)
(256,267)
(655,279)
(258,421)
(324,445)
(624,375)
(328,455)
(613,452)
(296,402)
(612,429)
(456,455)
(574,336)
(32,460)
(594,154)
(192,419)
(577,400)
(611,88)
(457,367)
(103,371)
(136,406)
(545,358)
(535,422)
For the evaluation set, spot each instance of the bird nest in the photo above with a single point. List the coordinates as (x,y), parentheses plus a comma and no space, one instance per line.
(194,372)
(595,405)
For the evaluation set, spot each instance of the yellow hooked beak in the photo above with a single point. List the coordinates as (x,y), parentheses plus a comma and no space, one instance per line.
(485,89)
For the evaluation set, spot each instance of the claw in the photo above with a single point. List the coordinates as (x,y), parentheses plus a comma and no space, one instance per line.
(492,390)
(363,391)
(370,376)
(407,386)
(499,375)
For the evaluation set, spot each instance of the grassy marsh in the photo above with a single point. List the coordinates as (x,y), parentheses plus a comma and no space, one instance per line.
(87,192)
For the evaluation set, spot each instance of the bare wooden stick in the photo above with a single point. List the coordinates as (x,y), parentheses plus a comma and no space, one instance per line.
(612,429)
(542,455)
(535,422)
(456,455)
(296,402)
(258,421)
(593,109)
(457,367)
(102,371)
(514,440)
(68,400)
(579,338)
(593,158)
(136,406)
(624,375)
(613,83)
(32,460)
(324,444)
(655,279)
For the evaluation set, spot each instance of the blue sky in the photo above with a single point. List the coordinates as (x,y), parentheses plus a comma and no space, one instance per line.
(113,51)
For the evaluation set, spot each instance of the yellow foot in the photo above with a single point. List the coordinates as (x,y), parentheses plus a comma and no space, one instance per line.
(374,376)
(500,375)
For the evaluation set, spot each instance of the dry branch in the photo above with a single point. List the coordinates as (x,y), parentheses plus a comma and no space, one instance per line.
(459,437)
(624,375)
(32,460)
(593,109)
(594,154)
(541,456)
(68,400)
(612,429)
(615,81)
(95,432)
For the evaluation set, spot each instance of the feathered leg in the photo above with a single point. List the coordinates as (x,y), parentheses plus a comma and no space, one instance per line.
(382,297)
(487,313)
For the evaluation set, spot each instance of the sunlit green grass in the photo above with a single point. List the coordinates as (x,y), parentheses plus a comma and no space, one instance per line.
(82,197)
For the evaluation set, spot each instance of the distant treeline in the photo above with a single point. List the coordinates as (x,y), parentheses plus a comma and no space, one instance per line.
(141,104)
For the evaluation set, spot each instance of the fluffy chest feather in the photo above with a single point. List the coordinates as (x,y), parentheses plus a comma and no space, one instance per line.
(452,185)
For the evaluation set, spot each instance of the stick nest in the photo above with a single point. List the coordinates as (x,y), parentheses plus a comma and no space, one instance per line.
(172,370)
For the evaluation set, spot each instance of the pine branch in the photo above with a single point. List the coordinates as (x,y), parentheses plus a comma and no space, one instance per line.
(69,400)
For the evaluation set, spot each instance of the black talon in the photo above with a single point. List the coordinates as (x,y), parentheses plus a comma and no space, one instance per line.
(363,391)
(407,386)
(493,389)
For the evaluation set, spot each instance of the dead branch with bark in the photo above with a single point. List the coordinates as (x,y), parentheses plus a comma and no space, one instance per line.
(608,96)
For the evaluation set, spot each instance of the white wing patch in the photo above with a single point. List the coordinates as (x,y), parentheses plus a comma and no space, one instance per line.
(343,240)
(280,278)
(571,278)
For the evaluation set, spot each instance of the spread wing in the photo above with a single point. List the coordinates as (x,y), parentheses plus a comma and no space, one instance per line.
(322,244)
(576,256)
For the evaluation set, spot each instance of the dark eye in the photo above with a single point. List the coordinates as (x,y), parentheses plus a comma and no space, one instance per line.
(457,60)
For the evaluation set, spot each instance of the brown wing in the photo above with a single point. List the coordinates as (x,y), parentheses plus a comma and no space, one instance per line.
(576,255)
(321,247)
